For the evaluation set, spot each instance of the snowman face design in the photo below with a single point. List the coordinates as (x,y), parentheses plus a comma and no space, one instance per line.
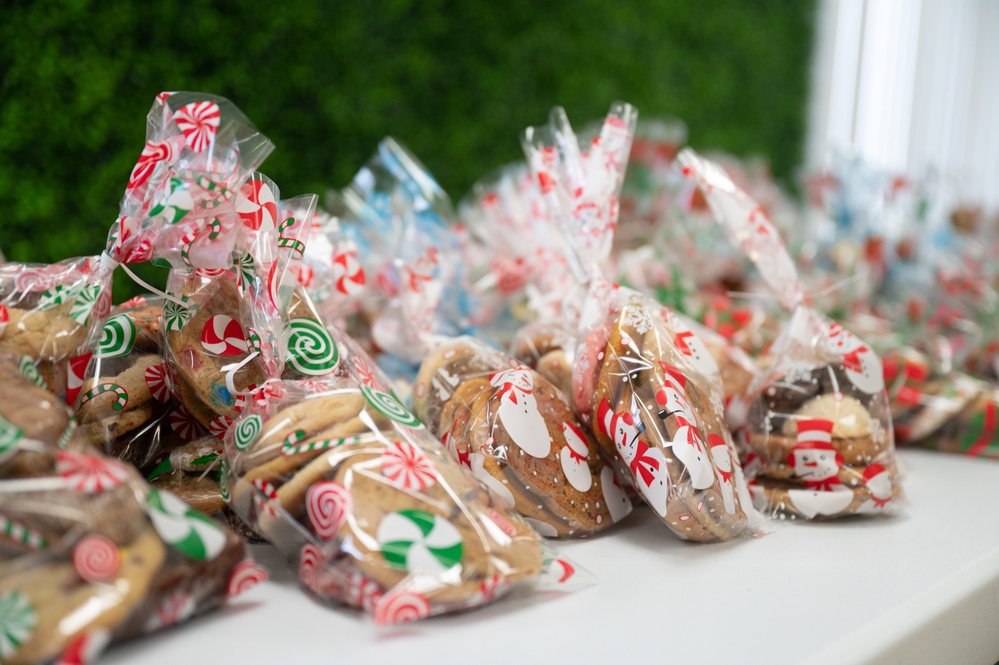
(518,412)
(688,448)
(815,464)
(880,485)
(673,402)
(692,348)
(616,499)
(723,463)
(625,435)
(863,366)
(656,490)
(573,459)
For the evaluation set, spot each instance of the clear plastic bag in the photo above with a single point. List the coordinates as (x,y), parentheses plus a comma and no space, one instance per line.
(89,553)
(520,437)
(819,429)
(642,381)
(369,507)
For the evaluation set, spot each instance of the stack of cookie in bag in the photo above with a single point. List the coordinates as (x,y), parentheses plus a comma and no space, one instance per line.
(643,384)
(818,434)
(89,553)
(513,429)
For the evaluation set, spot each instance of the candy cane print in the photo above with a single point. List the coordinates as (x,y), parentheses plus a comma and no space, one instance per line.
(121,395)
(19,533)
(297,246)
(291,447)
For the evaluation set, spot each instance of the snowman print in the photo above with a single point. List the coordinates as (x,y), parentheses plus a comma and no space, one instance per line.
(647,464)
(862,365)
(692,348)
(518,411)
(573,458)
(723,466)
(616,499)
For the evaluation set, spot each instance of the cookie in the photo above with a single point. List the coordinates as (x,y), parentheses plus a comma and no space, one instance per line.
(340,508)
(522,439)
(869,491)
(213,338)
(667,433)
(36,412)
(43,334)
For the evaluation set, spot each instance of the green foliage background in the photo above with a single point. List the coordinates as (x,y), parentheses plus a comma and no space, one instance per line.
(455,81)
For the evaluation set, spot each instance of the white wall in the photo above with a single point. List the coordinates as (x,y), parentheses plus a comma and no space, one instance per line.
(911,85)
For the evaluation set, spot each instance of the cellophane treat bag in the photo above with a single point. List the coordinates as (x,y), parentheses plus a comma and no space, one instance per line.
(819,431)
(938,407)
(50,314)
(368,506)
(511,255)
(643,384)
(514,430)
(90,554)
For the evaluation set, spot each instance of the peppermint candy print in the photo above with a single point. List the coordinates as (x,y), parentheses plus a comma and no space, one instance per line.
(83,305)
(244,577)
(419,542)
(390,407)
(4,318)
(219,426)
(184,424)
(18,620)
(398,607)
(175,608)
(89,473)
(158,381)
(186,530)
(247,431)
(120,395)
(362,592)
(309,562)
(328,505)
(223,336)
(134,303)
(407,467)
(152,154)
(364,373)
(264,497)
(30,371)
(14,530)
(224,480)
(85,649)
(198,121)
(176,316)
(10,437)
(348,274)
(76,376)
(492,587)
(117,337)
(257,206)
(34,279)
(311,349)
(57,295)
(96,559)
(172,208)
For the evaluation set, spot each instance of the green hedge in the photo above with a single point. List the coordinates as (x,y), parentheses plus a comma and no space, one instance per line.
(455,81)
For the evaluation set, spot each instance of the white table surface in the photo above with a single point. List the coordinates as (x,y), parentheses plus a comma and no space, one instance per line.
(922,587)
